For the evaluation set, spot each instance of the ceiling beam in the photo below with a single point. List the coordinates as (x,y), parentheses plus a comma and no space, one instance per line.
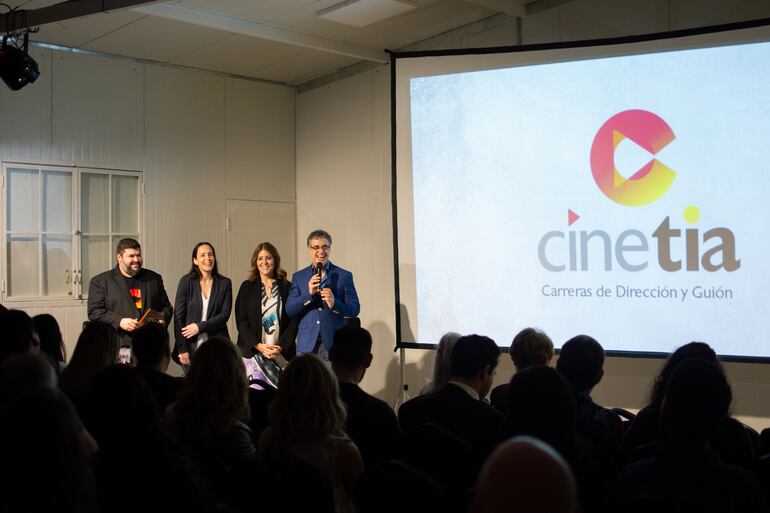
(519,8)
(212,20)
(511,7)
(19,19)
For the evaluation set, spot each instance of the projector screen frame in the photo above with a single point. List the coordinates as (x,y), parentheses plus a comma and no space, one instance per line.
(396,56)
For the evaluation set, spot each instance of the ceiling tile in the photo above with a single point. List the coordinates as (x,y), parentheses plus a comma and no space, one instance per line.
(239,55)
(416,26)
(156,39)
(263,10)
(79,31)
(433,17)
(305,20)
(306,66)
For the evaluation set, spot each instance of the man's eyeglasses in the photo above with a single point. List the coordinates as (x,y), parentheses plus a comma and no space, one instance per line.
(325,248)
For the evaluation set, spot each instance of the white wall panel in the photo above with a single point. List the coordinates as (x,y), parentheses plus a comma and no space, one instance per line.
(259,143)
(184,181)
(26,115)
(97,114)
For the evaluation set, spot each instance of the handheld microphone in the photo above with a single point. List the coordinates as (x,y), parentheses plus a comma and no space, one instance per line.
(317,270)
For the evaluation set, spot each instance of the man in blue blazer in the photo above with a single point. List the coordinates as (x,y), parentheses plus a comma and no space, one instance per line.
(321,296)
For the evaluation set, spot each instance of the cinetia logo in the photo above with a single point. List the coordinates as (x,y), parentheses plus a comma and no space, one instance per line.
(651,181)
(710,251)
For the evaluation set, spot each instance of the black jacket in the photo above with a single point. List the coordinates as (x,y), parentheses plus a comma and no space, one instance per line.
(188,308)
(110,301)
(451,408)
(248,318)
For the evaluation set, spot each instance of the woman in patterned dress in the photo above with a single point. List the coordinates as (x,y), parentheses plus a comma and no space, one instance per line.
(265,333)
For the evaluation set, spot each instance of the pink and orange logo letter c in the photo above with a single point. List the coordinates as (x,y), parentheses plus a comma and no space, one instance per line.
(654,178)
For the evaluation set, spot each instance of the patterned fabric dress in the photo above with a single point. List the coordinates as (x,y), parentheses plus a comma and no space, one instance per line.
(258,367)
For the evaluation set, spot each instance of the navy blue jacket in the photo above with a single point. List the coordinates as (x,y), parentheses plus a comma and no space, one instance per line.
(315,317)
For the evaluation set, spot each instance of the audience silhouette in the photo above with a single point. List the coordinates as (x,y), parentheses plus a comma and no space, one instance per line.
(529,347)
(599,430)
(51,342)
(98,436)
(525,475)
(684,474)
(370,423)
(731,441)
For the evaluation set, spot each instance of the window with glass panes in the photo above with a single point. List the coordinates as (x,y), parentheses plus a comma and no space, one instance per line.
(61,226)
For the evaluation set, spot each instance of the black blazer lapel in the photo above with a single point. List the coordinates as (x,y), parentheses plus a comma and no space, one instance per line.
(283,290)
(195,303)
(213,296)
(145,295)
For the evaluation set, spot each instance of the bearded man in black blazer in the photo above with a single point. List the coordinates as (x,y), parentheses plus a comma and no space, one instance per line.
(122,295)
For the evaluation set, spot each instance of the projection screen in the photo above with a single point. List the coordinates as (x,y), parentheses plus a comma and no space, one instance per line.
(619,189)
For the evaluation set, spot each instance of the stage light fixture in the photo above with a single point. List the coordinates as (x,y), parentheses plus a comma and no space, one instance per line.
(17,68)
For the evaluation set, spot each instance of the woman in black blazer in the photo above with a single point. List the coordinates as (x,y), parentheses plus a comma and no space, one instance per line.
(265,333)
(202,285)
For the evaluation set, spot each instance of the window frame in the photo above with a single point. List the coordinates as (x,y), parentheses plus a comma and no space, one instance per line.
(78,288)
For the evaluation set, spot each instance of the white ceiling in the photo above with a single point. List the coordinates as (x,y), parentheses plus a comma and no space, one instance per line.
(285,41)
(277,40)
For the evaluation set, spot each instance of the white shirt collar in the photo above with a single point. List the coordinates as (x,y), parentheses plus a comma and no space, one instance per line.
(468,390)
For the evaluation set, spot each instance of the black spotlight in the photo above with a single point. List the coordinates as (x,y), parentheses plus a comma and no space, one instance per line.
(17,68)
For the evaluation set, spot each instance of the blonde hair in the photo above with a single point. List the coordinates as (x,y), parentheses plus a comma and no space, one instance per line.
(531,346)
(308,407)
(442,367)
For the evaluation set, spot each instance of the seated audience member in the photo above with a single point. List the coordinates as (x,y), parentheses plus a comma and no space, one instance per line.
(458,407)
(307,421)
(153,354)
(138,468)
(525,475)
(541,404)
(96,349)
(51,342)
(43,466)
(446,458)
(581,362)
(396,486)
(530,347)
(442,364)
(731,441)
(685,475)
(211,412)
(24,373)
(18,335)
(371,423)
